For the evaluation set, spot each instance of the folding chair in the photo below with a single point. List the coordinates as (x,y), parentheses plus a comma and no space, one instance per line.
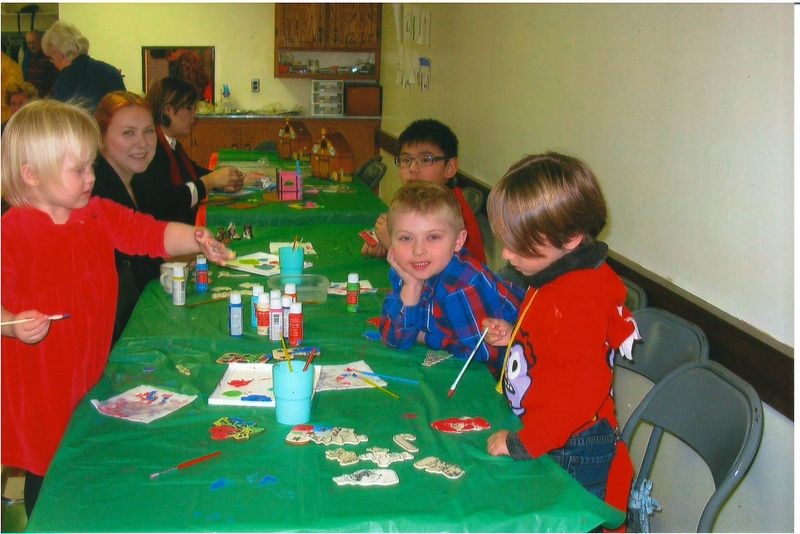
(371,173)
(636,298)
(712,410)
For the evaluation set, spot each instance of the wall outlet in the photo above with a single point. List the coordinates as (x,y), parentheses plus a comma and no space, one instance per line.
(255,85)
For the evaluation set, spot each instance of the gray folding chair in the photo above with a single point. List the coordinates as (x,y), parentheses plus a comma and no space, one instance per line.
(668,341)
(371,173)
(712,410)
(636,297)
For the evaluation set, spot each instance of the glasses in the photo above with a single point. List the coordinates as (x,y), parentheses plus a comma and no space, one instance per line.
(423,160)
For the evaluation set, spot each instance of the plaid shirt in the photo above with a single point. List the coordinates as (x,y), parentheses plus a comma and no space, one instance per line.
(451,309)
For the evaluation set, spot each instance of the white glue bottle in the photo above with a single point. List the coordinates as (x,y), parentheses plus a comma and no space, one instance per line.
(275,319)
(235,321)
(262,314)
(178,286)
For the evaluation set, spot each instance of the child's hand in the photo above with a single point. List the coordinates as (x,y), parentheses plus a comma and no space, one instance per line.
(499,333)
(214,250)
(496,444)
(382,230)
(33,331)
(373,251)
(411,291)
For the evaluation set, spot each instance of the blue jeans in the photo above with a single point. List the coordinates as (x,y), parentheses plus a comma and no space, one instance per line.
(587,456)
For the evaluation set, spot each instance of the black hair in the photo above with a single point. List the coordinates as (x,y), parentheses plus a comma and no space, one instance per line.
(430,131)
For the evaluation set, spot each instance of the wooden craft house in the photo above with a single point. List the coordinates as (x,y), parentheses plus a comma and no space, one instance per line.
(331,156)
(294,140)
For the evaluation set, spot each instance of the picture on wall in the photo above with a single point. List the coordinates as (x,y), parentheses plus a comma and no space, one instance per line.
(195,64)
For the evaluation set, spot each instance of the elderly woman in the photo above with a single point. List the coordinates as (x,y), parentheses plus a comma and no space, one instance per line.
(80,79)
(128,146)
(173,185)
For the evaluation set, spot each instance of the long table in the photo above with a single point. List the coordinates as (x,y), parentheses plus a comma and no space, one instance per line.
(357,205)
(99,479)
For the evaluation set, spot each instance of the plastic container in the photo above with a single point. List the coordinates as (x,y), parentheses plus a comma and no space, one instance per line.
(311,288)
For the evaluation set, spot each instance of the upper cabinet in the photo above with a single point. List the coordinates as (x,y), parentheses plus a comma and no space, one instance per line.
(327,41)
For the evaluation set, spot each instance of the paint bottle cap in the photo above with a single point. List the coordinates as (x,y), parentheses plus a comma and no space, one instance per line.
(296,307)
(290,288)
(352,278)
(275,294)
(275,303)
(286,301)
(178,272)
(263,298)
(258,289)
(236,297)
(201,260)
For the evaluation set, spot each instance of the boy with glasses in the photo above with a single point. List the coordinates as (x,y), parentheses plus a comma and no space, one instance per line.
(429,153)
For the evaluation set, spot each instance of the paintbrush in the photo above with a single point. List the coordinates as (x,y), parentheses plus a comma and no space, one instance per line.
(287,355)
(29,319)
(377,386)
(188,463)
(384,377)
(466,363)
(308,361)
(294,244)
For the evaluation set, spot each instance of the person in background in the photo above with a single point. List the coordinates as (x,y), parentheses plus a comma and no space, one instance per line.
(429,152)
(80,79)
(17,94)
(57,247)
(173,185)
(127,147)
(36,66)
(440,295)
(548,211)
(11,73)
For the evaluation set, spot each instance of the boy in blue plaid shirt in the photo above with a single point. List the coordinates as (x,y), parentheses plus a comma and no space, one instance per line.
(440,296)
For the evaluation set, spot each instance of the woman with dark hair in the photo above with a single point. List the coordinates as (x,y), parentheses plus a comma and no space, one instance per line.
(173,185)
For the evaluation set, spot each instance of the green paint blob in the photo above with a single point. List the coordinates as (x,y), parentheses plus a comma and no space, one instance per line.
(232,393)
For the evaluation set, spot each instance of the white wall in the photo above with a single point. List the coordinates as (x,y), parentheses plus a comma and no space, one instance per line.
(685,112)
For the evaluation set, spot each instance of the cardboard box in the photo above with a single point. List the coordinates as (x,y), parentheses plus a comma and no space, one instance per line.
(362,100)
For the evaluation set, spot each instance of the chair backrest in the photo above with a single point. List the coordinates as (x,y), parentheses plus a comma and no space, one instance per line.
(668,341)
(266,146)
(636,297)
(371,173)
(712,410)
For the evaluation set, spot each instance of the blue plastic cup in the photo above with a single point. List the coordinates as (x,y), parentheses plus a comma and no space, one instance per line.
(292,392)
(291,261)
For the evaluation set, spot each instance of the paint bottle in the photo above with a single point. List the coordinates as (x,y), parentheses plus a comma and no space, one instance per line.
(178,286)
(275,319)
(262,315)
(258,289)
(286,303)
(353,290)
(235,314)
(275,294)
(296,324)
(290,290)
(201,274)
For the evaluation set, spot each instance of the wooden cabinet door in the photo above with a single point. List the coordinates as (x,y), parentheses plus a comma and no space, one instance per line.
(353,26)
(300,25)
(209,136)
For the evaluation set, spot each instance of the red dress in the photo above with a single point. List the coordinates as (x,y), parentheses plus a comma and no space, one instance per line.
(61,268)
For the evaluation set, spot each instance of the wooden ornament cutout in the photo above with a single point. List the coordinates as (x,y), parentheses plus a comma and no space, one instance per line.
(457,425)
(343,456)
(404,442)
(369,477)
(434,465)
(322,435)
(434,357)
(383,457)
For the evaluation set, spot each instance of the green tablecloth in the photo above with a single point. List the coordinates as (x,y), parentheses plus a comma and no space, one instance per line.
(99,480)
(361,206)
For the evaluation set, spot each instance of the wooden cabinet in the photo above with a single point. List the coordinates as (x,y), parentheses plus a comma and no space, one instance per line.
(327,34)
(210,134)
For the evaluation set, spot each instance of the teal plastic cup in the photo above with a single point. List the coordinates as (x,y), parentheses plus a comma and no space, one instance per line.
(291,261)
(293,390)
